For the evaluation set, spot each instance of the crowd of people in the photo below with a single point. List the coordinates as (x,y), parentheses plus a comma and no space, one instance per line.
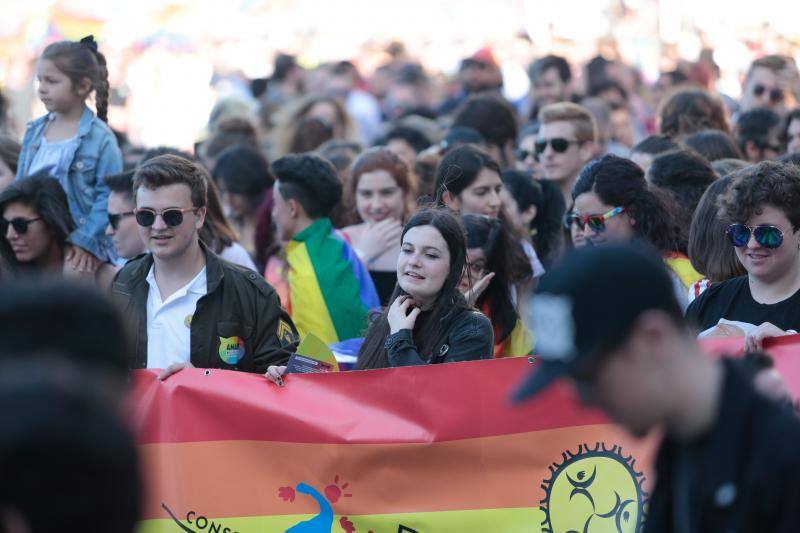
(358,210)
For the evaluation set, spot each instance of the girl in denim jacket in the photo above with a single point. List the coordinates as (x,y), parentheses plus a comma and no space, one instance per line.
(73,145)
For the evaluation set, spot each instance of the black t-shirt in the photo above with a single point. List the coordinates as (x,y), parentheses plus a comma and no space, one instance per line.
(732,300)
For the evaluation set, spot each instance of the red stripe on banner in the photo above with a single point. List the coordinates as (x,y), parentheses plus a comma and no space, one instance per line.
(352,407)
(360,407)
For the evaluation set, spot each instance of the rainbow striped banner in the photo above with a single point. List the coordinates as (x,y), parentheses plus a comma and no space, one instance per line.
(423,449)
(330,291)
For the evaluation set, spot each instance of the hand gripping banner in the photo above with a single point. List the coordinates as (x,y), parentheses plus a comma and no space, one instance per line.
(416,449)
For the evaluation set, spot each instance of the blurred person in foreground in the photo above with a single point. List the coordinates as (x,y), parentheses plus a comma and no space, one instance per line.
(68,461)
(66,458)
(75,322)
(728,460)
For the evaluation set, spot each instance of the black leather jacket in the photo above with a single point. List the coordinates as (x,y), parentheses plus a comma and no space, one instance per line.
(240,307)
(742,476)
(466,335)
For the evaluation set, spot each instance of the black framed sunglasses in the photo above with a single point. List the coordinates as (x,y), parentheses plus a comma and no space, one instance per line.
(558,144)
(172,216)
(765,235)
(19,224)
(114,219)
(775,95)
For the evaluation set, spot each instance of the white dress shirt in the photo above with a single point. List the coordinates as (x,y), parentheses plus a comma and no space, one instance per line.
(169,321)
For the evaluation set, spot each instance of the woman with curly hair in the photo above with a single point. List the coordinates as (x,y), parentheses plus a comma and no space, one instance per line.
(762,212)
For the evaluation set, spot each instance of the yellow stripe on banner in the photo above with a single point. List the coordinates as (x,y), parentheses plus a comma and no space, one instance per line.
(309,311)
(483,520)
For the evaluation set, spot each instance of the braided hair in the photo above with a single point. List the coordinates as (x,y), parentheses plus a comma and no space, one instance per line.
(79,60)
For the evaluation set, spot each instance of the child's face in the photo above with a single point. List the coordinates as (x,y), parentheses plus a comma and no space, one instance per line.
(56,90)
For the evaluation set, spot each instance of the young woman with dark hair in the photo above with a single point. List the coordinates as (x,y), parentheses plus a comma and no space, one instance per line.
(35,222)
(489,245)
(468,182)
(612,202)
(537,208)
(429,320)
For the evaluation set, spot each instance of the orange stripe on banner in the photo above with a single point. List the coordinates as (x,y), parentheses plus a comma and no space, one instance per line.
(242,478)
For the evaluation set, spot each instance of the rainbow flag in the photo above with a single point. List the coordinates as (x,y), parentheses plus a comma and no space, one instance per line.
(682,267)
(329,290)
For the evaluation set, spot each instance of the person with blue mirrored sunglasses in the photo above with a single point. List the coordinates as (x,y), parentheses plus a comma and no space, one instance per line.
(762,210)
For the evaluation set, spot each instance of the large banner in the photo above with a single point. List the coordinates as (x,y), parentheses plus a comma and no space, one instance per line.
(426,449)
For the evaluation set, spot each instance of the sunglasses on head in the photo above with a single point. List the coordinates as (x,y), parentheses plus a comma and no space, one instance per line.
(114,219)
(558,144)
(775,95)
(596,223)
(172,217)
(19,224)
(765,235)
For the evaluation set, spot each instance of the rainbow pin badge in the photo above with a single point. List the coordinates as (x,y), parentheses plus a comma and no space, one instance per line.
(231,349)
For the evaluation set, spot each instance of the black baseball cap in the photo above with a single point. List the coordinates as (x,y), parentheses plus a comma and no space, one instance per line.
(587,305)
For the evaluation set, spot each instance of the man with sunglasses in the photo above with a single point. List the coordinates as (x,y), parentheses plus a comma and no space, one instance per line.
(122,226)
(566,142)
(188,307)
(728,459)
(771,82)
(762,208)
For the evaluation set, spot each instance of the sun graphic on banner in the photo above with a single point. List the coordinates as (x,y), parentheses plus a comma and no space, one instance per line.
(594,489)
